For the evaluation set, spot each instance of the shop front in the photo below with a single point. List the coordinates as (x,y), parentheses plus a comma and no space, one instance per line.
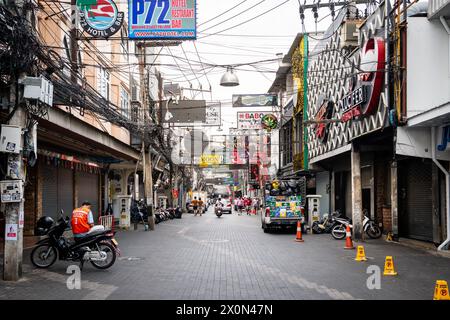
(349,140)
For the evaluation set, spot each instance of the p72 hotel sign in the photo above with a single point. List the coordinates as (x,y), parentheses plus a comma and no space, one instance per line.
(162,19)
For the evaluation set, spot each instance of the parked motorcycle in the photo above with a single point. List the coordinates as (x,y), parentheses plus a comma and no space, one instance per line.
(370,227)
(178,213)
(139,213)
(98,247)
(326,224)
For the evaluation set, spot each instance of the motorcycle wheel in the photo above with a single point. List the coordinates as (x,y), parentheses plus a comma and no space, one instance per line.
(338,232)
(373,231)
(38,258)
(110,252)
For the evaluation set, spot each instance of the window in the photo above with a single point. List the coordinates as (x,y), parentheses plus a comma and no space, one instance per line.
(298,139)
(286,141)
(124,103)
(103,83)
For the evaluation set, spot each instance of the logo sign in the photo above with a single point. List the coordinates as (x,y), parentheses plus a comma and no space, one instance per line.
(250,120)
(269,122)
(162,19)
(325,112)
(365,89)
(255,100)
(100,18)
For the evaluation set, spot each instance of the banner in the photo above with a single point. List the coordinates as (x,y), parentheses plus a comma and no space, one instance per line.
(162,19)
(255,100)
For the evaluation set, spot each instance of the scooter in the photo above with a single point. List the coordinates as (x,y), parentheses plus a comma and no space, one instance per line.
(219,212)
(369,227)
(326,224)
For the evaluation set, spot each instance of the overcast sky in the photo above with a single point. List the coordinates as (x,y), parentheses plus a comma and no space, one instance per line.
(283,23)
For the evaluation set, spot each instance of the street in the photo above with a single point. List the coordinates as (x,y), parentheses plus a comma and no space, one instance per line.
(205,257)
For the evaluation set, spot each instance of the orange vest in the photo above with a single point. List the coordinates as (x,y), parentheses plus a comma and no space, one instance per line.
(80,220)
(195,202)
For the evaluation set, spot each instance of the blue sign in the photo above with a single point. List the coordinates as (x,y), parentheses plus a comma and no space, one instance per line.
(162,19)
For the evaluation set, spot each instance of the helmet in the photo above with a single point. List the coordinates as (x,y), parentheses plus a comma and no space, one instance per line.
(43,225)
(45,222)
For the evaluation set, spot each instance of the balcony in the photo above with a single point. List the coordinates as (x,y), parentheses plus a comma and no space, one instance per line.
(438,8)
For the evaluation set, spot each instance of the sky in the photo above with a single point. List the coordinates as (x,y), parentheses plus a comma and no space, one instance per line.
(283,23)
(243,46)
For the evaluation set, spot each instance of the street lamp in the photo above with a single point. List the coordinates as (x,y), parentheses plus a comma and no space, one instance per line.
(229,79)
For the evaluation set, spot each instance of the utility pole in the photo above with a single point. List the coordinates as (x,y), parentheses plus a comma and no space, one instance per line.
(147,156)
(357,215)
(13,249)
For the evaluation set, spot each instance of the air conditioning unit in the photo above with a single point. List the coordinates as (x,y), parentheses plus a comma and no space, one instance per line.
(38,88)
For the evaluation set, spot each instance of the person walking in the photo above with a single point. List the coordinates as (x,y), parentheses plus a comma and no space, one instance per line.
(200,206)
(247,204)
(195,206)
(240,206)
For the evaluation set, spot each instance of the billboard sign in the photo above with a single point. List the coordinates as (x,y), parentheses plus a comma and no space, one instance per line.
(255,100)
(162,19)
(250,120)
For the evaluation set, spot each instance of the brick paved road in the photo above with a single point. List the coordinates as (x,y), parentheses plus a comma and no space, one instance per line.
(231,258)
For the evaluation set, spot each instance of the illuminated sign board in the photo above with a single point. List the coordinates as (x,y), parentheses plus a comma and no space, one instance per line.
(162,19)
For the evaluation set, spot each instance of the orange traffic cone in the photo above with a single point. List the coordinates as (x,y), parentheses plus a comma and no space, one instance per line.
(299,232)
(348,240)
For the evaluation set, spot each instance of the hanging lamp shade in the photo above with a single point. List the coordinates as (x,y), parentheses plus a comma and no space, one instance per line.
(229,79)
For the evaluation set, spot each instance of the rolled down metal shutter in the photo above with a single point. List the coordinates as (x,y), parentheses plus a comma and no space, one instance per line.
(57,191)
(65,190)
(419,200)
(88,190)
(50,191)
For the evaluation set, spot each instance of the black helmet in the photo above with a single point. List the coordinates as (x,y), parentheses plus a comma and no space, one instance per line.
(43,225)
(45,222)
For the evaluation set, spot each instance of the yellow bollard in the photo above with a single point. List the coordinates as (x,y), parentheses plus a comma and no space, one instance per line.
(441,290)
(389,269)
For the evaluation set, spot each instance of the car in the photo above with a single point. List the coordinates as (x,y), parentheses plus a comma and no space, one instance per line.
(227,207)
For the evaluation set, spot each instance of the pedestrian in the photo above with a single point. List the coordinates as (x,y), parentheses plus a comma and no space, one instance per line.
(235,202)
(255,205)
(240,206)
(195,205)
(200,206)
(247,204)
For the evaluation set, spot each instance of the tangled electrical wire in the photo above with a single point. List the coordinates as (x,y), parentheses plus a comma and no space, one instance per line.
(21,52)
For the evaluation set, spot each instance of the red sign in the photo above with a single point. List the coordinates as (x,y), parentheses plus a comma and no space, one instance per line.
(365,88)
(175,193)
(325,112)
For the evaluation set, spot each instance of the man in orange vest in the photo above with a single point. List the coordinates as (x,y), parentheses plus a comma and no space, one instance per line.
(82,220)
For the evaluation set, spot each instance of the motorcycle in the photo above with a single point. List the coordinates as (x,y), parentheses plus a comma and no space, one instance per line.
(178,213)
(369,227)
(326,224)
(98,247)
(139,213)
(218,211)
